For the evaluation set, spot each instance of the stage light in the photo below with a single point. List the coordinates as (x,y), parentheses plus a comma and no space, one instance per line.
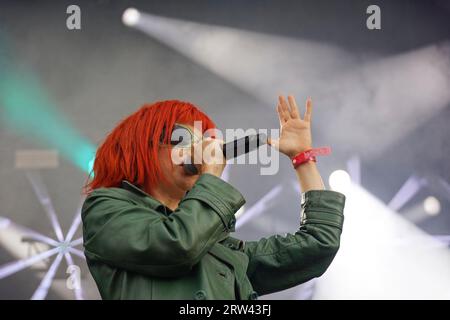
(28,110)
(339,180)
(432,206)
(354,169)
(384,256)
(131,17)
(4,223)
(91,166)
(238,55)
(240,212)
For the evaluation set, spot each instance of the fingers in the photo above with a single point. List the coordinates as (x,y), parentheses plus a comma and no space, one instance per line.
(308,111)
(290,111)
(280,116)
(284,109)
(294,108)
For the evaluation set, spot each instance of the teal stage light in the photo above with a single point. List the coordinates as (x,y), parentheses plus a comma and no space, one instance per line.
(26,109)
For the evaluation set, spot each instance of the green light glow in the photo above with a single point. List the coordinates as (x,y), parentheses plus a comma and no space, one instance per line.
(27,110)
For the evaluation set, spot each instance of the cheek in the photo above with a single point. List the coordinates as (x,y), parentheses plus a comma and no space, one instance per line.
(165,161)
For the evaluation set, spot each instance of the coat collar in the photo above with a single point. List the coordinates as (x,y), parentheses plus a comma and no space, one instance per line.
(154,204)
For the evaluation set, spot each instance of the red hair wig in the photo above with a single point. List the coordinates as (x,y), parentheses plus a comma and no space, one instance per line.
(130,151)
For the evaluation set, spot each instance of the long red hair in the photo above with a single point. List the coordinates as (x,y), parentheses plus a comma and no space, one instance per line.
(130,150)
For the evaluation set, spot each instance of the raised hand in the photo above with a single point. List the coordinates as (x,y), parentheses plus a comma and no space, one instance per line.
(295,132)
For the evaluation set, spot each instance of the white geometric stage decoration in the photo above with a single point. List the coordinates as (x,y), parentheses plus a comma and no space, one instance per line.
(12,234)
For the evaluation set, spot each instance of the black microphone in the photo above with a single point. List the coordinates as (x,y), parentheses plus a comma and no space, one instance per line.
(235,148)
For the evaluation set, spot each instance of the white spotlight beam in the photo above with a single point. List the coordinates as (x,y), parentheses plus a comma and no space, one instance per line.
(226,173)
(383,256)
(443,238)
(354,169)
(378,102)
(389,96)
(237,55)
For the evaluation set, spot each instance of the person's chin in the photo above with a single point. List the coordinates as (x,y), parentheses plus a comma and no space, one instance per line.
(188,180)
(191,180)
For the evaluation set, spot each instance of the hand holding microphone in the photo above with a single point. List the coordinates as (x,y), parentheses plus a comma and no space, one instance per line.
(215,161)
(295,137)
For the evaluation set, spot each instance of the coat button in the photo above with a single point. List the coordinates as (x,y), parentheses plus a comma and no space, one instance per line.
(253,296)
(231,224)
(200,295)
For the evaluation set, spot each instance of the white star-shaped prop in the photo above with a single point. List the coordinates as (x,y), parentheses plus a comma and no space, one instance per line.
(62,246)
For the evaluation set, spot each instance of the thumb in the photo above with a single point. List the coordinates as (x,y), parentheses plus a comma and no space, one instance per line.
(275,143)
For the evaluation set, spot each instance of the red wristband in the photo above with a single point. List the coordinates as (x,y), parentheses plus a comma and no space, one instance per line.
(310,155)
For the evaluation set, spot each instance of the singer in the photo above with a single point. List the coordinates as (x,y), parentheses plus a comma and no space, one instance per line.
(152,230)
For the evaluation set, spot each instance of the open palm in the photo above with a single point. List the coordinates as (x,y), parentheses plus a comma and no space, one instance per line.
(295,132)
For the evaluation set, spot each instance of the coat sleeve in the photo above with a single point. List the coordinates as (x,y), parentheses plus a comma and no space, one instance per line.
(280,262)
(136,238)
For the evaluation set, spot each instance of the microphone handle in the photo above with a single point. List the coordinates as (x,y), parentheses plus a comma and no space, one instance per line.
(235,148)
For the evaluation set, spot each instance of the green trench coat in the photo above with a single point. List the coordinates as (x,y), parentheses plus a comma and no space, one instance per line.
(136,248)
